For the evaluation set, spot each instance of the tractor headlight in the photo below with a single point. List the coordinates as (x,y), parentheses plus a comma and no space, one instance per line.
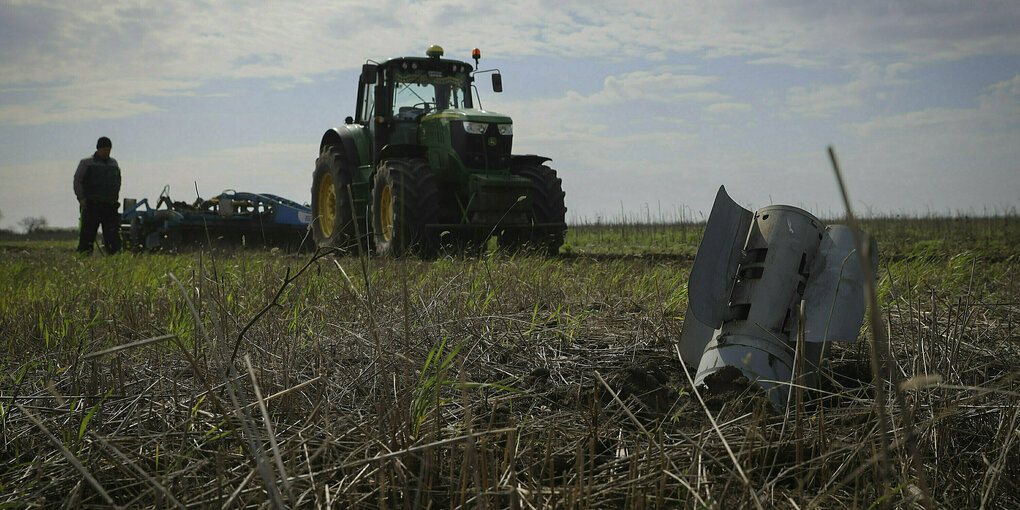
(506,129)
(476,128)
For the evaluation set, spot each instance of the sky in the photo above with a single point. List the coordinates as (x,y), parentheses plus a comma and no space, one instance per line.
(645,108)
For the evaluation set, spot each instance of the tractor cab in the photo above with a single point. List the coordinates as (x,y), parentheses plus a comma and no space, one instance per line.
(410,102)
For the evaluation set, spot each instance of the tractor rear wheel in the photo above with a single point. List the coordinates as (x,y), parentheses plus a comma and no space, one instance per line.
(547,206)
(404,200)
(332,214)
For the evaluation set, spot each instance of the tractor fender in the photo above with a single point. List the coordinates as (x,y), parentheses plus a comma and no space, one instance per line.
(347,138)
(528,158)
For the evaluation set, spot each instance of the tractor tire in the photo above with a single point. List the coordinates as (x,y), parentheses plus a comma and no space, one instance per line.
(546,207)
(404,200)
(332,214)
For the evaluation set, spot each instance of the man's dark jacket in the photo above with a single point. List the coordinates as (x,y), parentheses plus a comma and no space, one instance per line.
(97,180)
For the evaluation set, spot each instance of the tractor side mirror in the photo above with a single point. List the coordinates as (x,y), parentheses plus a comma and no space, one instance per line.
(369,73)
(497,82)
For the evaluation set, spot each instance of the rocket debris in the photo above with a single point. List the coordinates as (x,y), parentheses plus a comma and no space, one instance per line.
(751,277)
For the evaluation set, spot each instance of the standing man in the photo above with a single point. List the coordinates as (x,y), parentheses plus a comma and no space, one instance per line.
(97,186)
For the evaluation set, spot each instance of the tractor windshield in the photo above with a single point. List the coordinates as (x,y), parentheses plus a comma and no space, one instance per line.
(419,92)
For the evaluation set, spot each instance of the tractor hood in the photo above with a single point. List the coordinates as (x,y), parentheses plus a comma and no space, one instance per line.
(468,115)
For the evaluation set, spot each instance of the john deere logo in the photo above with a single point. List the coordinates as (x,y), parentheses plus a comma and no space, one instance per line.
(492,141)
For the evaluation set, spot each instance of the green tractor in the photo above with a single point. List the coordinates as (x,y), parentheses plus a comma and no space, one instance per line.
(420,168)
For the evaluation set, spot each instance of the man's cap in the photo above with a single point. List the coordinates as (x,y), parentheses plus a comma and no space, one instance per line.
(103,142)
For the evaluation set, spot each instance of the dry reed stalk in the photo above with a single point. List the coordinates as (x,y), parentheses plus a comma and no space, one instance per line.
(148,478)
(127,346)
(68,455)
(722,438)
(880,344)
(269,429)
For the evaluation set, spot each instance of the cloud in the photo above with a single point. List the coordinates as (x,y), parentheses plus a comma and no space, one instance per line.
(825,100)
(659,87)
(941,158)
(146,42)
(997,113)
(728,108)
(915,31)
(86,101)
(821,101)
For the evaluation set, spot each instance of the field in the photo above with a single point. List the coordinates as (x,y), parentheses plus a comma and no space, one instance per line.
(254,379)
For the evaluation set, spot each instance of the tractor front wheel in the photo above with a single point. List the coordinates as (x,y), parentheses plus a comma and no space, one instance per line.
(332,215)
(404,200)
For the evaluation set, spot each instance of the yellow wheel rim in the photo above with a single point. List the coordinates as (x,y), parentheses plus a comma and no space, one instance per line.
(327,205)
(386,212)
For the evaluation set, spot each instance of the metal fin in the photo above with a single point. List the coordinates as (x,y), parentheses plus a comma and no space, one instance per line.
(715,265)
(834,297)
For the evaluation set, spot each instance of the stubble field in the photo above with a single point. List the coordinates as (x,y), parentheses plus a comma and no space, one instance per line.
(250,379)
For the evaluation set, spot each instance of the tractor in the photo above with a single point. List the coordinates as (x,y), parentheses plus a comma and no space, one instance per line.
(420,168)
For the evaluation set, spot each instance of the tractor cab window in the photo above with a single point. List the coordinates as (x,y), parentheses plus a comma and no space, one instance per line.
(367,107)
(417,93)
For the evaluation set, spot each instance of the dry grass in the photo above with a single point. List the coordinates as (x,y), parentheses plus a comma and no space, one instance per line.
(489,382)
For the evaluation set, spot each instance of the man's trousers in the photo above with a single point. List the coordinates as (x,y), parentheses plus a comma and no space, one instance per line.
(94,215)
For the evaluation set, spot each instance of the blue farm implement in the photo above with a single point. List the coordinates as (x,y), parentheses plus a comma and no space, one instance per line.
(229,219)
